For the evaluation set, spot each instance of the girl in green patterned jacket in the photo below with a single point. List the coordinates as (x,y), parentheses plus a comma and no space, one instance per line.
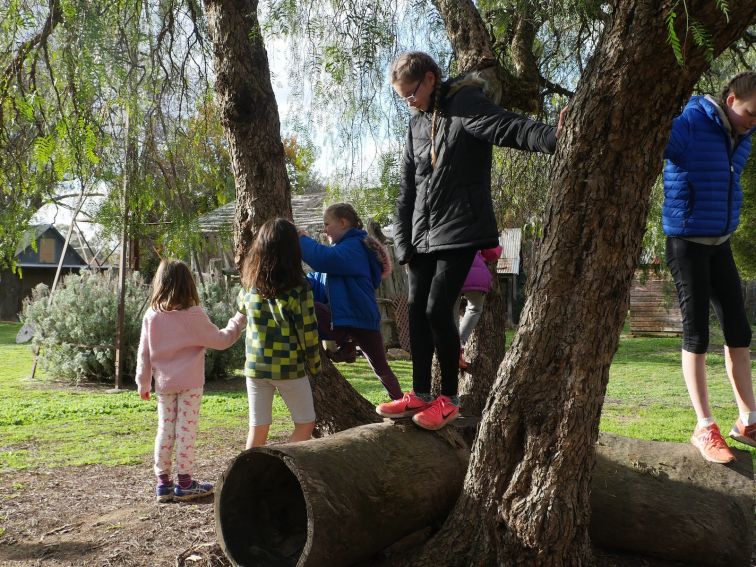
(282,335)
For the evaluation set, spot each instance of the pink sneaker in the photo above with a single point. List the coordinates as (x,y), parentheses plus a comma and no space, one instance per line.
(744,433)
(408,405)
(711,444)
(440,412)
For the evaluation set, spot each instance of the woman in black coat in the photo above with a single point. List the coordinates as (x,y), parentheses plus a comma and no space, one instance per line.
(445,214)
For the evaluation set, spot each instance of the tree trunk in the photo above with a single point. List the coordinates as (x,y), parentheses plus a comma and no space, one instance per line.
(474,52)
(249,115)
(338,406)
(485,351)
(343,499)
(525,500)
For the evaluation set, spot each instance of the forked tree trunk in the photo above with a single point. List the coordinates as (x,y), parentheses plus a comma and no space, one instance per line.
(525,500)
(249,115)
(485,351)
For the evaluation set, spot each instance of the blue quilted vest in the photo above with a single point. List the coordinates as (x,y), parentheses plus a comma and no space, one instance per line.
(702,193)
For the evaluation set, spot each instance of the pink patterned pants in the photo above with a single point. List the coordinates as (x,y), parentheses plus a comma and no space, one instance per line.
(178,419)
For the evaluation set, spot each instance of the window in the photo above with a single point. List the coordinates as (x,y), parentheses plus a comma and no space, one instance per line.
(47,250)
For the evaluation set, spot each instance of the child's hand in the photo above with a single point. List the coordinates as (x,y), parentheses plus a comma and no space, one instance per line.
(560,124)
(302,232)
(145,395)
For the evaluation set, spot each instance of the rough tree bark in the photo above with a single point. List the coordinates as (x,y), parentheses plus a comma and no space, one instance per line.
(525,499)
(249,115)
(485,351)
(474,52)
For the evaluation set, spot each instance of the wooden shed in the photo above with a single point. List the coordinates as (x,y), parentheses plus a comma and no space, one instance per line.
(508,267)
(654,309)
(37,256)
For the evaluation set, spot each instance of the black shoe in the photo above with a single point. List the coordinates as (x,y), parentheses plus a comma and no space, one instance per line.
(344,354)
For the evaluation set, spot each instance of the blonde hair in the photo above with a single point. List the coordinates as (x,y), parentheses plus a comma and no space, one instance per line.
(412,66)
(344,211)
(173,287)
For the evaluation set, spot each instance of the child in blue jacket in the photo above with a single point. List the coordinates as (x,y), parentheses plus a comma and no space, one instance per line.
(708,147)
(343,282)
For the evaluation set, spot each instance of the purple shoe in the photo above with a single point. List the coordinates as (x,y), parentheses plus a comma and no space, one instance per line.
(196,490)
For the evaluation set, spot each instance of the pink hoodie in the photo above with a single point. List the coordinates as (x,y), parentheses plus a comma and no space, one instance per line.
(172,346)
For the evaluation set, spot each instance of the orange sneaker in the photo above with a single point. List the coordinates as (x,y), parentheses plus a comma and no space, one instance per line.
(744,433)
(711,444)
(439,412)
(408,405)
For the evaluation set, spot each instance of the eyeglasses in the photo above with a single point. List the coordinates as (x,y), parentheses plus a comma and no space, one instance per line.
(411,98)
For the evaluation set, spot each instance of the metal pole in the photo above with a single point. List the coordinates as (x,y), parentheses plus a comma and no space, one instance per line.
(130,149)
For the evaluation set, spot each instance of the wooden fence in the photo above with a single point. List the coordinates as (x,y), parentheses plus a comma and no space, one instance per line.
(653,304)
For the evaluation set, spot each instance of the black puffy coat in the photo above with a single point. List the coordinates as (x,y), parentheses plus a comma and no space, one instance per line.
(449,206)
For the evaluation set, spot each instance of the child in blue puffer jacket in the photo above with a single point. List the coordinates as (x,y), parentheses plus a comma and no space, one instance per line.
(708,147)
(343,282)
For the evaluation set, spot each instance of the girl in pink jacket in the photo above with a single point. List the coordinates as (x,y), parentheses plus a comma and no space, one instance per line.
(476,286)
(175,333)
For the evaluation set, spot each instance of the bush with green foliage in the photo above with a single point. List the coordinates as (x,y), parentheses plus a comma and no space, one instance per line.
(75,334)
(219,301)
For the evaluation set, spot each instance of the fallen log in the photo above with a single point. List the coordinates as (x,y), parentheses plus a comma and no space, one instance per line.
(341,499)
(336,500)
(663,500)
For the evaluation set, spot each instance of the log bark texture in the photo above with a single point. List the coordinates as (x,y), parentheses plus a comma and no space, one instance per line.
(342,499)
(337,500)
(663,500)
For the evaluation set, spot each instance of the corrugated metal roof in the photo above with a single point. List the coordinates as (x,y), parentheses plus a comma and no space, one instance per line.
(510,240)
(307,210)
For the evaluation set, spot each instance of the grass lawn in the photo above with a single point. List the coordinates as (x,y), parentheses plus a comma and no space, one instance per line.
(43,423)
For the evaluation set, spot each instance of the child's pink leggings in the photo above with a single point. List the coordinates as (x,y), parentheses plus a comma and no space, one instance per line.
(178,419)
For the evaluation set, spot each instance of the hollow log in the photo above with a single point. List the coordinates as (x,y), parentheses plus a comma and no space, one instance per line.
(341,499)
(336,500)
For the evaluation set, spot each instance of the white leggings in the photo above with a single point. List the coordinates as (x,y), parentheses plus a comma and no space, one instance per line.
(473,311)
(178,420)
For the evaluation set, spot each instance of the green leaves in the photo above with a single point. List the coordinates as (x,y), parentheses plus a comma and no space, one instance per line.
(700,35)
(672,38)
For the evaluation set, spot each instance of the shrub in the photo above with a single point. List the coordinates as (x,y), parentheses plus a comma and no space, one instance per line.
(219,301)
(76,334)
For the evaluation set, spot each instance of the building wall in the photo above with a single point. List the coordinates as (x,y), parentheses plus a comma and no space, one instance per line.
(13,289)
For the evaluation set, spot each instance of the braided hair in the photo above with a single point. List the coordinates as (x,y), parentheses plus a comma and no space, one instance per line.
(412,66)
(742,85)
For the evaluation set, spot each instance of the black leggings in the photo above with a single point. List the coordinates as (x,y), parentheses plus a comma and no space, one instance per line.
(435,281)
(705,273)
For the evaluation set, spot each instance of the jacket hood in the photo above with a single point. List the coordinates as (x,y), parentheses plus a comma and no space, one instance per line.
(378,258)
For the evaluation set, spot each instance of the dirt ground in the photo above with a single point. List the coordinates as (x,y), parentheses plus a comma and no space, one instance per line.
(106,516)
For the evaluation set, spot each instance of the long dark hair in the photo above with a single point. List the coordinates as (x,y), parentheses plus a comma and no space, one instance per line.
(173,287)
(274,265)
